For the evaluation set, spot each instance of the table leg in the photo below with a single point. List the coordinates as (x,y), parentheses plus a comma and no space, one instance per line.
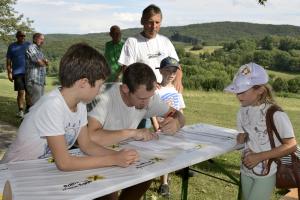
(185,183)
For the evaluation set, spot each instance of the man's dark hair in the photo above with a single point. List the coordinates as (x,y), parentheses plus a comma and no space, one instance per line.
(149,11)
(138,74)
(36,36)
(19,33)
(113,28)
(82,61)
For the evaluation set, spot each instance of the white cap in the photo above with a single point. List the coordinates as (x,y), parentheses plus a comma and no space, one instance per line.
(248,75)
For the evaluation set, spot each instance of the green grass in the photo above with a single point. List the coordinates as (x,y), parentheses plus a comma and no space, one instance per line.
(208,49)
(283,75)
(8,102)
(206,107)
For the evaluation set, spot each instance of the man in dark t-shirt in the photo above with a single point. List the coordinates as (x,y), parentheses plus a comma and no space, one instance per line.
(15,65)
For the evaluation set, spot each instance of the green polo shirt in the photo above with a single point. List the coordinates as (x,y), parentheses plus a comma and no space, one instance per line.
(112,54)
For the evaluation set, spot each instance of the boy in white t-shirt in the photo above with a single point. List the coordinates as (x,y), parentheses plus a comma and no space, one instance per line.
(59,118)
(168,93)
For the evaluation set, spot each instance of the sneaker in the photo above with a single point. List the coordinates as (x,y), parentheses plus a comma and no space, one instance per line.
(20,114)
(164,190)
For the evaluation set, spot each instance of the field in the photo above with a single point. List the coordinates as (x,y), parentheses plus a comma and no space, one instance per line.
(282,75)
(208,49)
(202,107)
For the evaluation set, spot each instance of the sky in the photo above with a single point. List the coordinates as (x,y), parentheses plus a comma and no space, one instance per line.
(94,16)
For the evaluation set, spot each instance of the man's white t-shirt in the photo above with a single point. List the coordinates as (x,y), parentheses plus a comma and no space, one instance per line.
(50,116)
(252,119)
(172,97)
(148,51)
(111,111)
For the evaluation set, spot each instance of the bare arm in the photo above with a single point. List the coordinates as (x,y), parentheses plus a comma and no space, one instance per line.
(9,69)
(155,123)
(178,80)
(89,147)
(289,145)
(108,137)
(42,62)
(241,138)
(99,156)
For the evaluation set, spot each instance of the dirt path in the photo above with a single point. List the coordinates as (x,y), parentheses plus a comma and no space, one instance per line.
(7,134)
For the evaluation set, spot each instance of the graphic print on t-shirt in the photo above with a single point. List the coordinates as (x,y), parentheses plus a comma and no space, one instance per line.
(71,133)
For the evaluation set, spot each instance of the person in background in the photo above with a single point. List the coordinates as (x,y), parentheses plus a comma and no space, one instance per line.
(15,66)
(254,94)
(36,63)
(149,46)
(112,53)
(168,93)
(60,117)
(115,114)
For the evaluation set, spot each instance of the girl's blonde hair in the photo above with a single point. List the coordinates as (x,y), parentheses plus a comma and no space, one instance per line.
(266,97)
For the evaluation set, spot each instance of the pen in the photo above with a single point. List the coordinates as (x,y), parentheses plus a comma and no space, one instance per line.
(170,114)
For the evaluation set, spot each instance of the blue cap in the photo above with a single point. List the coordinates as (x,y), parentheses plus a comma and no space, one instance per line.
(168,62)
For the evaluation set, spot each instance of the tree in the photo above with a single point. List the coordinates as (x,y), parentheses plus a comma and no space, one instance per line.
(267,43)
(288,43)
(11,21)
(262,2)
(280,85)
(263,58)
(282,61)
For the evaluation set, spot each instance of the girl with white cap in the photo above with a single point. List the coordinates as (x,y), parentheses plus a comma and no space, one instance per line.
(251,88)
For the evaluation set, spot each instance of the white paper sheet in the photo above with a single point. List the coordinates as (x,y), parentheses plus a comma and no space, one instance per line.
(40,179)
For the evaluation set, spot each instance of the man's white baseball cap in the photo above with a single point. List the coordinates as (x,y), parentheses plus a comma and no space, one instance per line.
(249,75)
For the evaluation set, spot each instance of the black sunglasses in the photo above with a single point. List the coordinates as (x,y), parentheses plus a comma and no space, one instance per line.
(21,36)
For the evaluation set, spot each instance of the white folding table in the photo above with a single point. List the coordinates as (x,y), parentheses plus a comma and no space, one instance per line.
(40,179)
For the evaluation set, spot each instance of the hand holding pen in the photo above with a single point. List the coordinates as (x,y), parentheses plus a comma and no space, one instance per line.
(169,124)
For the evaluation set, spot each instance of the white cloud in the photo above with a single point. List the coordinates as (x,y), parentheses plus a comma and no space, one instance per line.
(90,7)
(80,16)
(41,2)
(127,17)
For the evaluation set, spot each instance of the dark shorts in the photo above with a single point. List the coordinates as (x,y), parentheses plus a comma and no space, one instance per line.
(19,82)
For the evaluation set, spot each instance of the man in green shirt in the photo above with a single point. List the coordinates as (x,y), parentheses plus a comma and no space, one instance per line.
(112,53)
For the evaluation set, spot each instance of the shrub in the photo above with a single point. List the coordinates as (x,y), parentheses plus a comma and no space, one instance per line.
(280,85)
(294,85)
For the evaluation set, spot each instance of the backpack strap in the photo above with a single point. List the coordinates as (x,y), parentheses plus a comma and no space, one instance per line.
(272,128)
(271,125)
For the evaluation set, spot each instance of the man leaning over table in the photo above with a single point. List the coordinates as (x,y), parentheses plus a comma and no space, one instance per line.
(117,111)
